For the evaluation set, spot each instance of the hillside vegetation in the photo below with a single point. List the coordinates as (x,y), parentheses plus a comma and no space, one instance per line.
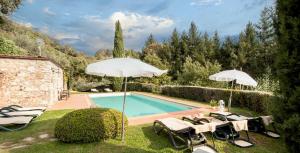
(16,39)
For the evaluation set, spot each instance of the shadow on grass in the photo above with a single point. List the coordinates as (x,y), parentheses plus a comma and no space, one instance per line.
(59,147)
(161,141)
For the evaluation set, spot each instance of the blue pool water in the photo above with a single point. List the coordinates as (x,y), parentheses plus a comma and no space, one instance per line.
(138,105)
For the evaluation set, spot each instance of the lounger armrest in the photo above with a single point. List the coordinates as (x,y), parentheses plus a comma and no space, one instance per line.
(4,114)
(15,106)
(8,109)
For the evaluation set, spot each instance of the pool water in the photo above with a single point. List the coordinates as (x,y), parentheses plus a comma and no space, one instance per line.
(138,105)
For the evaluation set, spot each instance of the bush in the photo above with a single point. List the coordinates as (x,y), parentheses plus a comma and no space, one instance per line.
(89,125)
(255,101)
(8,47)
(143,87)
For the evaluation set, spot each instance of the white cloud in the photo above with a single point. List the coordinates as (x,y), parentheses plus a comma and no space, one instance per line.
(61,36)
(136,28)
(48,11)
(206,2)
(30,1)
(26,24)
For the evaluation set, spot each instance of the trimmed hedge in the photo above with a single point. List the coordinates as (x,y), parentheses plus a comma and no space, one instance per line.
(89,125)
(143,87)
(253,100)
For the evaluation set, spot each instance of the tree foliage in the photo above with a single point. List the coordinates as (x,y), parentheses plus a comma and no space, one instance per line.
(118,41)
(287,112)
(194,73)
(8,47)
(118,52)
(8,6)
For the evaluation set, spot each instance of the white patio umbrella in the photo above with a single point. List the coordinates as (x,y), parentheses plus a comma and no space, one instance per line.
(123,67)
(239,77)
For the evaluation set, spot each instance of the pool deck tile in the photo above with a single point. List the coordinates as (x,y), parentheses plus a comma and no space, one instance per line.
(75,101)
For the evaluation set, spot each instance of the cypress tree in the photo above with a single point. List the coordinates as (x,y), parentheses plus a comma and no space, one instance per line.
(118,41)
(118,52)
(286,110)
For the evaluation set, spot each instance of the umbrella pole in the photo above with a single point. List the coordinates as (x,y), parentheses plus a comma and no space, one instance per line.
(123,111)
(229,103)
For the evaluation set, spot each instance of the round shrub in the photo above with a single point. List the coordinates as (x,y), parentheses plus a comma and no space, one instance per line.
(89,125)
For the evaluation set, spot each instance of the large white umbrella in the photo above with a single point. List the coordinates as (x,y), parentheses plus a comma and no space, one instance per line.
(123,67)
(239,77)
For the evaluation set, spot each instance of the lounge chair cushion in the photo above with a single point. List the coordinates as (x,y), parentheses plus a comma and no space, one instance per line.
(198,115)
(207,127)
(175,124)
(241,143)
(15,120)
(272,134)
(240,125)
(24,113)
(204,149)
(267,120)
(29,108)
(237,117)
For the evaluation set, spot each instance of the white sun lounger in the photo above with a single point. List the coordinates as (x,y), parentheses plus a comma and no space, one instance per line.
(21,113)
(19,120)
(20,108)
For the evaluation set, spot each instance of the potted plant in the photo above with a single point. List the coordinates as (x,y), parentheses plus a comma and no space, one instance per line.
(213,103)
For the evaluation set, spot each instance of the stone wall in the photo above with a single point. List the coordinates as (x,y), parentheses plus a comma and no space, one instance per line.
(29,82)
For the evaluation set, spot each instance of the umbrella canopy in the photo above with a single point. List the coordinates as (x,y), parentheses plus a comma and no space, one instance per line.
(239,77)
(123,67)
(234,75)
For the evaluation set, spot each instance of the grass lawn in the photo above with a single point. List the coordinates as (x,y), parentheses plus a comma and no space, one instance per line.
(138,139)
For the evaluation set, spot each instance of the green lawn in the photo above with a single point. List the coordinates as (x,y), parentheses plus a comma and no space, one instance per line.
(138,139)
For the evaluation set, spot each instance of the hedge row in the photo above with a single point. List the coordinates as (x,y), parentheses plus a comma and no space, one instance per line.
(144,87)
(253,100)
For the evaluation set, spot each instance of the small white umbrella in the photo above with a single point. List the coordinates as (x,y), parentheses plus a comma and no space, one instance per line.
(123,67)
(239,77)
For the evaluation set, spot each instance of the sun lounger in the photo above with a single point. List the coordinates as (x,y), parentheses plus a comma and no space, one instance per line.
(255,124)
(15,123)
(21,113)
(185,132)
(20,108)
(225,130)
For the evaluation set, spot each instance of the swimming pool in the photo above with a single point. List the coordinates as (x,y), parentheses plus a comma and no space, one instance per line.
(139,105)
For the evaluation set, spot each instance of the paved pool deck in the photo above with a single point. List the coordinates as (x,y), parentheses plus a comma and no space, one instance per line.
(81,101)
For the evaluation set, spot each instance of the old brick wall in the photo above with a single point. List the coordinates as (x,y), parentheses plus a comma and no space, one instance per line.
(29,82)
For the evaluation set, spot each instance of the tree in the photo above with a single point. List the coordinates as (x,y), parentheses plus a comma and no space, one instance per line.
(176,53)
(227,55)
(286,110)
(247,50)
(195,73)
(150,40)
(118,52)
(267,38)
(194,40)
(102,54)
(8,6)
(216,45)
(118,41)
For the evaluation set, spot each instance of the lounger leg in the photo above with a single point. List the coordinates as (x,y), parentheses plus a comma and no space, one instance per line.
(213,139)
(155,130)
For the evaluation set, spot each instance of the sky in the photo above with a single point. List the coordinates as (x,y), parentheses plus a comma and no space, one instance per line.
(89,25)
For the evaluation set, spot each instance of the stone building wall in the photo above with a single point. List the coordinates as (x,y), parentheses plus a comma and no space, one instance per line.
(29,81)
